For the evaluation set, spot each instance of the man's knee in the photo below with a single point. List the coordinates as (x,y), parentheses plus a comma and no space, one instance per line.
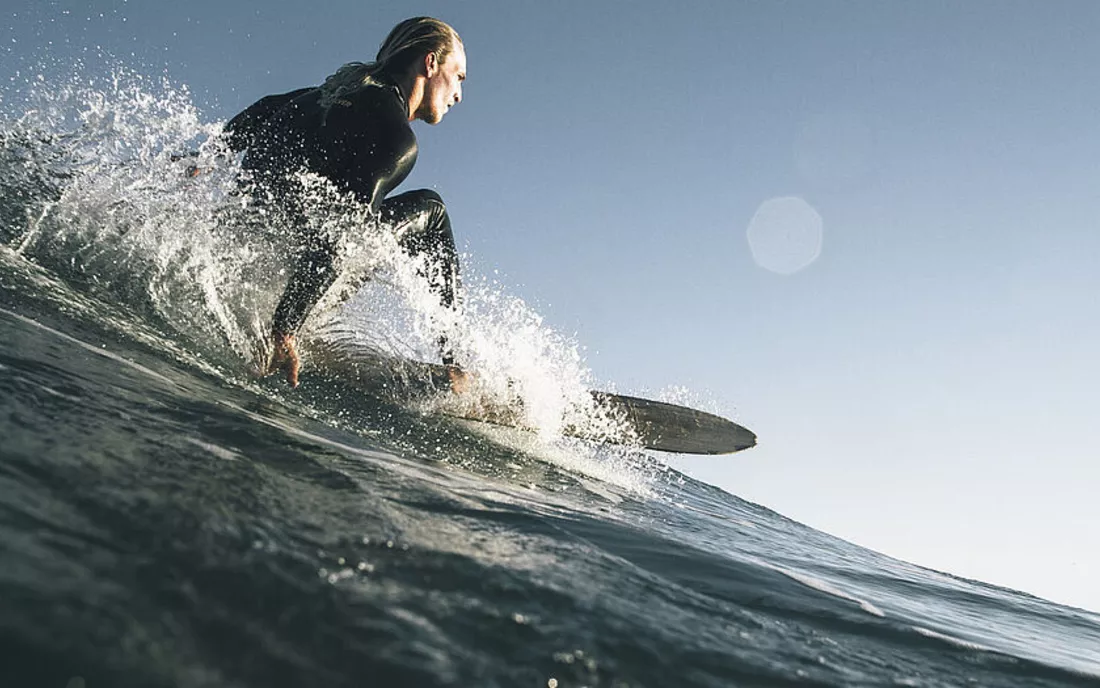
(423,198)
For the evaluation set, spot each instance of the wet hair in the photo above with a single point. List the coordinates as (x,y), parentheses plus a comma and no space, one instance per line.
(414,38)
(408,42)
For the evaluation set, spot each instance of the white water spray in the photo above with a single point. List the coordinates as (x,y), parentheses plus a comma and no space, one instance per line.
(110,201)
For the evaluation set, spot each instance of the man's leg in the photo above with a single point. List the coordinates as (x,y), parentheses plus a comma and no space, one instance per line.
(419,219)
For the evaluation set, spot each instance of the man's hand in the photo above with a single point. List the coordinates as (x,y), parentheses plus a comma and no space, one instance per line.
(284,357)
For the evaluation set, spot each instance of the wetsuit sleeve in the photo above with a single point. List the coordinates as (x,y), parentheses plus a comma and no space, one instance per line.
(241,131)
(314,272)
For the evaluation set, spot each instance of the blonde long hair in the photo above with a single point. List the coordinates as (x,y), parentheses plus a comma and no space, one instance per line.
(408,42)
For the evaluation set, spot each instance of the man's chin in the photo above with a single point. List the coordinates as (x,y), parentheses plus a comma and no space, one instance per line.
(430,116)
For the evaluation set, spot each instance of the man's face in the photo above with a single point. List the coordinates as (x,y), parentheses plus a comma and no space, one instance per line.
(444,87)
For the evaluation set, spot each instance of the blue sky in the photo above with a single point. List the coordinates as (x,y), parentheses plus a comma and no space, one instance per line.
(924,387)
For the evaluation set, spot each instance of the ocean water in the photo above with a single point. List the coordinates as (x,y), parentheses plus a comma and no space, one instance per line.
(166,519)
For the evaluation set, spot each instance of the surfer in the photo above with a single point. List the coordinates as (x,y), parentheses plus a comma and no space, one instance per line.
(354,130)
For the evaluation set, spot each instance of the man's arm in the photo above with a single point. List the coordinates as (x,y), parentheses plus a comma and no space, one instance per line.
(369,149)
(374,154)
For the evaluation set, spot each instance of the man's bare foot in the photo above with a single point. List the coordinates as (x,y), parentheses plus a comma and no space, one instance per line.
(460,379)
(284,357)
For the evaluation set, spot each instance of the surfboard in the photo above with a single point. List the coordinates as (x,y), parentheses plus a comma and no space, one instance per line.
(655,425)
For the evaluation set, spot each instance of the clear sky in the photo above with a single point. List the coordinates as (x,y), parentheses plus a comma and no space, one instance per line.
(868,230)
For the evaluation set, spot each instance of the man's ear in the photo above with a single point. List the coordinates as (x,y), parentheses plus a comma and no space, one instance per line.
(431,65)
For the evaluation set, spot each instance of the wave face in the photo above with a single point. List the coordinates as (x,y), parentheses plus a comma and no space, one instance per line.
(166,519)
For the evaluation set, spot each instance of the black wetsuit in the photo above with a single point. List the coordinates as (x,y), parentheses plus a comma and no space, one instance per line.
(362,143)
